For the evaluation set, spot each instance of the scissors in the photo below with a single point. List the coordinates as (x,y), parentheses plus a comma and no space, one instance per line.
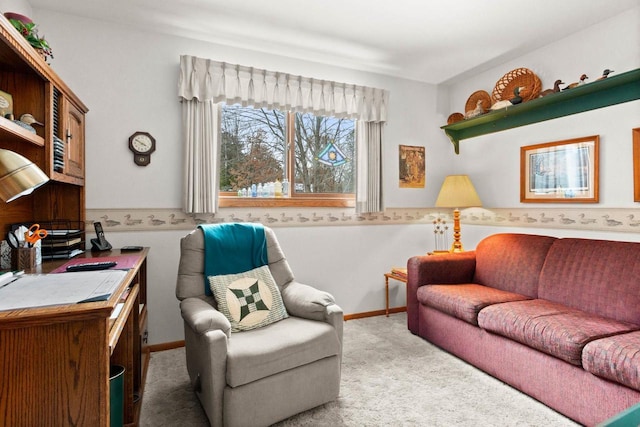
(13,240)
(34,234)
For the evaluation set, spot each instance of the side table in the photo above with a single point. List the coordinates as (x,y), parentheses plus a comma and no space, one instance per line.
(395,276)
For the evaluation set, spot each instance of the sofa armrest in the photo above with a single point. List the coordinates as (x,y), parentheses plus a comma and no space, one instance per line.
(435,269)
(202,317)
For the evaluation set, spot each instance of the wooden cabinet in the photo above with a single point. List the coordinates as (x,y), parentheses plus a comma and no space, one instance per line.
(55,360)
(72,119)
(36,89)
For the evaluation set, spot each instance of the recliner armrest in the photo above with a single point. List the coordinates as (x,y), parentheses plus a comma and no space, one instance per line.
(306,301)
(310,303)
(203,317)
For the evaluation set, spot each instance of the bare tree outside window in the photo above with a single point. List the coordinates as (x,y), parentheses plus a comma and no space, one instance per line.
(254,150)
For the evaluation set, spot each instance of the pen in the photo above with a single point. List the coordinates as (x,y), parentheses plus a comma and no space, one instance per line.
(9,282)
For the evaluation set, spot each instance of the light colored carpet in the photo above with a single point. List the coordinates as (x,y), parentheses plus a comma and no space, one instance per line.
(389,378)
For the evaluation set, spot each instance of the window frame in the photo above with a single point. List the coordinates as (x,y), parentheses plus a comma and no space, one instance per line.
(231,199)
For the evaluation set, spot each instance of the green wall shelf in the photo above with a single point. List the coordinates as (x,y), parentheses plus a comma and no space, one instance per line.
(613,90)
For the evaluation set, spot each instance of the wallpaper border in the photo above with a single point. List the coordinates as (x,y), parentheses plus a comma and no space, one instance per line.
(600,219)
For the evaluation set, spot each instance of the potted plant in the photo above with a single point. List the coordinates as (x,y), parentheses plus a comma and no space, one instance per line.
(29,31)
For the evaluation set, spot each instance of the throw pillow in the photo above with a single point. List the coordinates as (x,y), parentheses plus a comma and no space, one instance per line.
(249,300)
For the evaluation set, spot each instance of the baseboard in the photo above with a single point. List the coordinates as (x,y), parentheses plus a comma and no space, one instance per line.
(178,344)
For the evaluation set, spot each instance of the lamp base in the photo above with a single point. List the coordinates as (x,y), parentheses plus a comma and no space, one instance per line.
(439,252)
(457,244)
(456,248)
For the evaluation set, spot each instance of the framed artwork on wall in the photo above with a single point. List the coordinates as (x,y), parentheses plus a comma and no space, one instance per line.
(560,171)
(636,164)
(412,170)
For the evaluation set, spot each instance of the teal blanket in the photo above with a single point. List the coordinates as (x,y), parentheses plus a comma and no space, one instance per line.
(232,248)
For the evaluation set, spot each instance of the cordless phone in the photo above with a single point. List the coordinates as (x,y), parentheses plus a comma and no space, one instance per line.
(99,243)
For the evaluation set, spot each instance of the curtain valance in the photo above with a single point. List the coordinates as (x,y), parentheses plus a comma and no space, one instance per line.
(205,80)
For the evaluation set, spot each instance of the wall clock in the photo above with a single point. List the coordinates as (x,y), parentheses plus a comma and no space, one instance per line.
(142,144)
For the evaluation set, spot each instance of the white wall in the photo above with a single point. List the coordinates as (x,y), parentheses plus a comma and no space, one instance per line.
(16,6)
(128,78)
(492,160)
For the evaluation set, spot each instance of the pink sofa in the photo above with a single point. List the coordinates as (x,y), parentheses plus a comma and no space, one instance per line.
(558,319)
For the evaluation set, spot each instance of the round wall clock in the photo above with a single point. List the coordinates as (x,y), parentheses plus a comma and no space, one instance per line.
(142,144)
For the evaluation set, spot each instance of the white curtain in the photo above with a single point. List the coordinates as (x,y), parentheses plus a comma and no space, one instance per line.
(236,84)
(201,123)
(204,82)
(369,167)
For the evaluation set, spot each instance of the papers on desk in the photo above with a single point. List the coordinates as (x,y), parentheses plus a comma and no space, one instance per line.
(40,290)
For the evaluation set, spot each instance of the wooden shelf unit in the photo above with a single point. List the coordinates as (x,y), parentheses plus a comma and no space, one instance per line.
(613,90)
(54,361)
(36,89)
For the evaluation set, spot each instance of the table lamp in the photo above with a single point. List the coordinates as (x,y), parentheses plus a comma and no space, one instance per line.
(457,191)
(18,176)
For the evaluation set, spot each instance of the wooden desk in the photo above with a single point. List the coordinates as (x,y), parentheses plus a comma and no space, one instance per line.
(54,361)
(388,276)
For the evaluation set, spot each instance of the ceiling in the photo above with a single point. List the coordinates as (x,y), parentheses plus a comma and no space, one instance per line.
(425,40)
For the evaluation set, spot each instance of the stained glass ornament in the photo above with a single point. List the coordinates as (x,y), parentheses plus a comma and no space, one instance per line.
(332,156)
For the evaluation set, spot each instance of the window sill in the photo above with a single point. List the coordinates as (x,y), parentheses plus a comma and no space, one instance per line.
(275,202)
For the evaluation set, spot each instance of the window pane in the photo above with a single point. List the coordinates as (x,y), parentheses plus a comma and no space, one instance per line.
(252,149)
(324,154)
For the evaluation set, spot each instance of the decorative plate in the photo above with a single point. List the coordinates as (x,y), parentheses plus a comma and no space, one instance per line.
(476,96)
(519,77)
(455,117)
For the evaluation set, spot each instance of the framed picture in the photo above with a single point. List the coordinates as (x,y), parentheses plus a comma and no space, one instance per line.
(412,170)
(560,172)
(6,104)
(636,164)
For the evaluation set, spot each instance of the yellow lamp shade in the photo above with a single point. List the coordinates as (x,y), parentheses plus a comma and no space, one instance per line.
(457,191)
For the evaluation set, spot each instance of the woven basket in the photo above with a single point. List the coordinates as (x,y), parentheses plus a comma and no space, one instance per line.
(479,95)
(455,117)
(519,77)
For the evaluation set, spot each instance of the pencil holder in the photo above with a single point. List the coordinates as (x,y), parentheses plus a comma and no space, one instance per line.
(23,259)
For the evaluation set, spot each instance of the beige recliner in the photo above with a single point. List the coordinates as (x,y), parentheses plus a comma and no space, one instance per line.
(261,376)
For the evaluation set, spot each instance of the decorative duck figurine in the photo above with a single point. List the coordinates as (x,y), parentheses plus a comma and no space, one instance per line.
(578,83)
(605,74)
(517,99)
(556,88)
(26,120)
(475,112)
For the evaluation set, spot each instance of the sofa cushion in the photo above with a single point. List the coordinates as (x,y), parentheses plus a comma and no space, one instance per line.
(464,301)
(283,345)
(550,327)
(615,358)
(596,276)
(512,262)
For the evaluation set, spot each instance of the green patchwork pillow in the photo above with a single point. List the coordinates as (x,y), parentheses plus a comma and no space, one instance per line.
(249,300)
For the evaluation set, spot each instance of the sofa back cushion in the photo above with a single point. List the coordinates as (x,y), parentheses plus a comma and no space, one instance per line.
(512,262)
(597,276)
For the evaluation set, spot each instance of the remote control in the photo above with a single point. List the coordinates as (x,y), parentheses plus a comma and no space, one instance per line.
(131,248)
(90,266)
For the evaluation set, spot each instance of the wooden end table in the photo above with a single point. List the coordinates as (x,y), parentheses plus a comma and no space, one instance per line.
(393,276)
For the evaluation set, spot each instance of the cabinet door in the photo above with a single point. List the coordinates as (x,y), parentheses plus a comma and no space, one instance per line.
(73,128)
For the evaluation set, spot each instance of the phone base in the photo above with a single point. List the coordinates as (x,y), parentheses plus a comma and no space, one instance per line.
(96,246)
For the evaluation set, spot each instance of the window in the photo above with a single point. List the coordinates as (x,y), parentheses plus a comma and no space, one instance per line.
(314,154)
